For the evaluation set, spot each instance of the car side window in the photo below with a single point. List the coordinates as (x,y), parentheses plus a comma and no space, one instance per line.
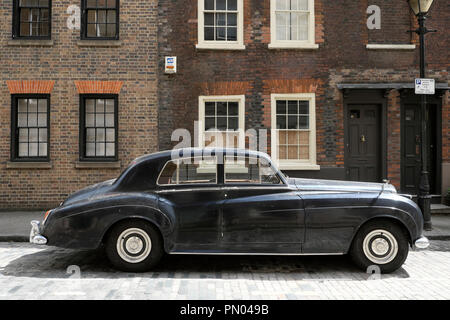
(195,170)
(249,170)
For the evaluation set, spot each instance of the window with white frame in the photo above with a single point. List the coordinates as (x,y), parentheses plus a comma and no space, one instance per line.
(292,24)
(221,120)
(294,131)
(220,24)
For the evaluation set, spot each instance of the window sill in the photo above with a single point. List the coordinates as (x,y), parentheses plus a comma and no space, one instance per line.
(97,165)
(220,46)
(99,43)
(390,46)
(30,43)
(294,46)
(29,165)
(299,166)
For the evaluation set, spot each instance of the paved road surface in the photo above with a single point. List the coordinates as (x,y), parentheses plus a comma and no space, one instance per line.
(33,272)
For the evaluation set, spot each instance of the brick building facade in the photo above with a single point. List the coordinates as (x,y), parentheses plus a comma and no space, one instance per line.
(60,71)
(259,55)
(332,90)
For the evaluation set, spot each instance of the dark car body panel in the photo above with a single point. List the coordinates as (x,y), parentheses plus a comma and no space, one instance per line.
(300,216)
(263,219)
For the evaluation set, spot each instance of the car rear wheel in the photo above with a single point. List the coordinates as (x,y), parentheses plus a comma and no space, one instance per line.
(380,243)
(134,246)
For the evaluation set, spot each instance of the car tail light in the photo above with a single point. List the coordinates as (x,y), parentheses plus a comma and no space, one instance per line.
(46,214)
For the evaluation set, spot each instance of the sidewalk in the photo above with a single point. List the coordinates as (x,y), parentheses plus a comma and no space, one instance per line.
(15,226)
(441,227)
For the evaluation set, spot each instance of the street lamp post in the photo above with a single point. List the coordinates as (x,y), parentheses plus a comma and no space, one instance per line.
(420,9)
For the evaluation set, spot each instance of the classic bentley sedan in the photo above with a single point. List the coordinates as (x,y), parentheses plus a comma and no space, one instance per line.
(236,202)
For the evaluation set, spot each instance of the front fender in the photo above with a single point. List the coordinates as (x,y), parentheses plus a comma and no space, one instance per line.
(333,219)
(398,208)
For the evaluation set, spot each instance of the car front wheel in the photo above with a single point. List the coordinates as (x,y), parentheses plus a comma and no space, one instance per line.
(134,246)
(380,243)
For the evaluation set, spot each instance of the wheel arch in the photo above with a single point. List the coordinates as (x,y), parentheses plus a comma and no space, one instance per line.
(388,218)
(133,218)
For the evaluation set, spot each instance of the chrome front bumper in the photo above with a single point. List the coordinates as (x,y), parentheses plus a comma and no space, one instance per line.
(422,243)
(35,233)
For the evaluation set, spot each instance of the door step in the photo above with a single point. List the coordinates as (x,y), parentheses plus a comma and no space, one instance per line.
(440,209)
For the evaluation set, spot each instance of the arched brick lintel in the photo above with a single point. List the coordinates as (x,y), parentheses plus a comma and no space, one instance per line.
(30,86)
(100,87)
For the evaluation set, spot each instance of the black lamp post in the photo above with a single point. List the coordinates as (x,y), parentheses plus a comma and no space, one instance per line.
(420,9)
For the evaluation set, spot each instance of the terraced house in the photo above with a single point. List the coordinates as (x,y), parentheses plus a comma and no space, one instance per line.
(330,81)
(84,88)
(78,96)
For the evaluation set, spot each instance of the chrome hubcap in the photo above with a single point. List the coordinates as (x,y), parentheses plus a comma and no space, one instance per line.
(380,246)
(134,245)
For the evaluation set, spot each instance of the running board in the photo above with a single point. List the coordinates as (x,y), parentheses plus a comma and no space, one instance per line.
(254,254)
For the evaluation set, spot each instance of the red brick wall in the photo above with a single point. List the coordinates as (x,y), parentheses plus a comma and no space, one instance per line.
(394,23)
(394,138)
(342,57)
(132,64)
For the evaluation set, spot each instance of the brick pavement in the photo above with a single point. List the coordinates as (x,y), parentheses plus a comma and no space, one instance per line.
(33,272)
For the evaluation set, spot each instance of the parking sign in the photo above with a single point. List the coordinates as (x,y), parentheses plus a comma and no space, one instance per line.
(425,86)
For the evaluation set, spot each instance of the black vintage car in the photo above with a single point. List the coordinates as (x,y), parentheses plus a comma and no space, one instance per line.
(229,201)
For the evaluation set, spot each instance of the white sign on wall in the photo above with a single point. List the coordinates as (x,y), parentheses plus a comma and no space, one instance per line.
(425,86)
(171,65)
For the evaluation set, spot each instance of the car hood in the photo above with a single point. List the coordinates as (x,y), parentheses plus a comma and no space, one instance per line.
(342,186)
(89,192)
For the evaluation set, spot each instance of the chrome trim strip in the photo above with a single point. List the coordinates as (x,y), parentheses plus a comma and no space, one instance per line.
(255,254)
(225,188)
(325,192)
(223,155)
(188,190)
(260,187)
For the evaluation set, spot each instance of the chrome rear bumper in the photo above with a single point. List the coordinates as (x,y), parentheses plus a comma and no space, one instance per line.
(422,243)
(35,235)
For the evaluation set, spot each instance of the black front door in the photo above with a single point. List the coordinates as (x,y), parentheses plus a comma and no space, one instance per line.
(363,142)
(411,116)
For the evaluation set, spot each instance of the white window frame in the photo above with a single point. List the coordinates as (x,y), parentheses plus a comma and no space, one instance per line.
(221,45)
(310,164)
(240,99)
(293,44)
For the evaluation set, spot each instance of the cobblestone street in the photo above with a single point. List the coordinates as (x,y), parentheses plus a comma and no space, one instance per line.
(32,272)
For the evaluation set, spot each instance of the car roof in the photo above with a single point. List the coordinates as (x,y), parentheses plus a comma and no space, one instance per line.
(154,163)
(189,152)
